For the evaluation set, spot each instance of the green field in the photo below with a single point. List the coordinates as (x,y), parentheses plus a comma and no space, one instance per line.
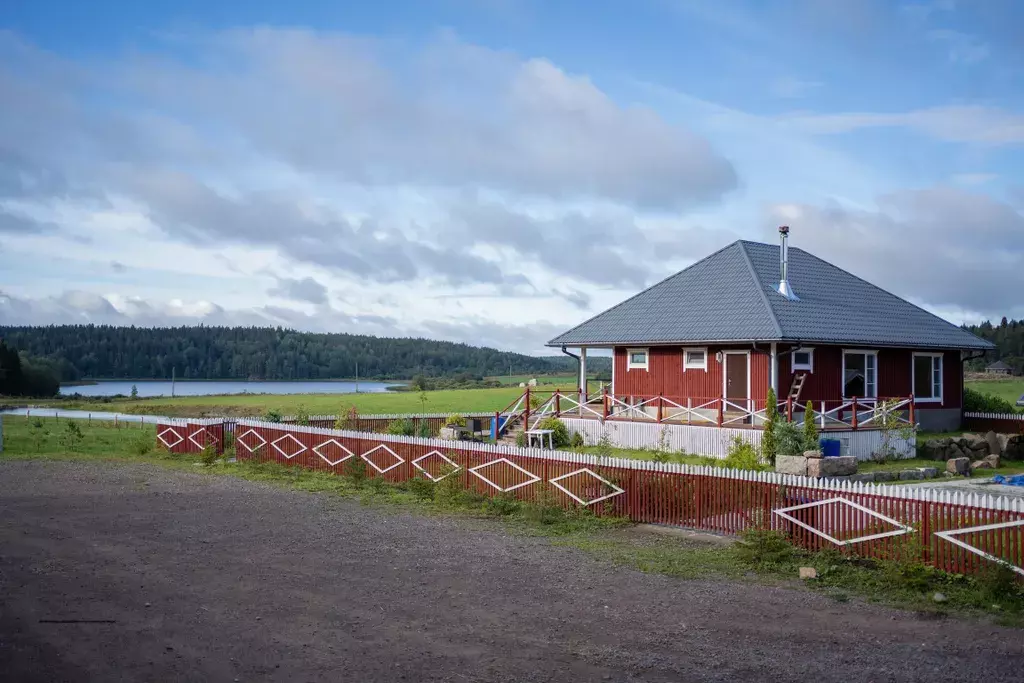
(1007,389)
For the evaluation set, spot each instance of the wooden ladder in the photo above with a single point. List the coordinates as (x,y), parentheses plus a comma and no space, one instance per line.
(798,386)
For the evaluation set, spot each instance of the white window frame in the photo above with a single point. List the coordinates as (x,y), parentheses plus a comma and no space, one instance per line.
(686,364)
(842,378)
(913,377)
(809,366)
(630,365)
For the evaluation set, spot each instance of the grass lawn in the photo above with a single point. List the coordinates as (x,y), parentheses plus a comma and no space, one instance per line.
(761,557)
(238,405)
(1008,389)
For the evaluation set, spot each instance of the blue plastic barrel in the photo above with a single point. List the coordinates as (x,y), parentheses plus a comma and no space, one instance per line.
(830,448)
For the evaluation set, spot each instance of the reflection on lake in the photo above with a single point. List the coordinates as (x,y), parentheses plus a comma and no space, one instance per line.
(184,388)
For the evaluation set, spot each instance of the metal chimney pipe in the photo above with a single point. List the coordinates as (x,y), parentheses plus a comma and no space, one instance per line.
(784,288)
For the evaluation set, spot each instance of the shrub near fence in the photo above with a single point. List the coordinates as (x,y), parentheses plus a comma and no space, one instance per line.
(954,532)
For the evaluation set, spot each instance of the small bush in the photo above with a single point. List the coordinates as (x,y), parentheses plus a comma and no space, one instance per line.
(142,444)
(503,505)
(71,439)
(788,439)
(421,487)
(811,441)
(272,416)
(401,427)
(559,432)
(348,419)
(985,403)
(423,430)
(302,416)
(769,444)
(741,456)
(208,455)
(521,439)
(455,421)
(355,470)
(765,549)
(576,441)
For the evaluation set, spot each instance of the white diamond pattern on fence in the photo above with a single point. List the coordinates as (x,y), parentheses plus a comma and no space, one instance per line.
(784,513)
(326,459)
(302,447)
(532,478)
(174,432)
(398,459)
(449,461)
(950,536)
(556,482)
(251,448)
(208,438)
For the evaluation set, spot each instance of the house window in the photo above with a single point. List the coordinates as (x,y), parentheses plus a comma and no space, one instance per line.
(927,377)
(860,374)
(695,359)
(636,359)
(803,359)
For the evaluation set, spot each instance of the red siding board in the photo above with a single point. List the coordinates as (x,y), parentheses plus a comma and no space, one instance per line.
(665,375)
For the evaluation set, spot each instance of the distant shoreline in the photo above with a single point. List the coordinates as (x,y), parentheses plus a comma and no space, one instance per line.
(101,380)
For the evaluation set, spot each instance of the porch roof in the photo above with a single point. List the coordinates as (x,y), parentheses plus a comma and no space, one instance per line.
(731,296)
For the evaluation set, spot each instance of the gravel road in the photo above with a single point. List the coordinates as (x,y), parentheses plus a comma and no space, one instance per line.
(195,578)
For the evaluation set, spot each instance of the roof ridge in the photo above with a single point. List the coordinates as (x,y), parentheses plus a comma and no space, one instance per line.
(886,291)
(760,287)
(646,289)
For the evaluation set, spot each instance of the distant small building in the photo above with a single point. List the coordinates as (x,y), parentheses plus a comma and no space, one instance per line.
(998,368)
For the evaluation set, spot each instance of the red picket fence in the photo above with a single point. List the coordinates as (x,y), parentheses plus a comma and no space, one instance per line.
(955,532)
(1001,423)
(190,436)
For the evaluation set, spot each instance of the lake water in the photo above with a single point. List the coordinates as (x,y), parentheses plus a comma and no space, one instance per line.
(182,388)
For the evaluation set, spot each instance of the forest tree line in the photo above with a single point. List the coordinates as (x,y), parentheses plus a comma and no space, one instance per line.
(78,352)
(1008,336)
(21,375)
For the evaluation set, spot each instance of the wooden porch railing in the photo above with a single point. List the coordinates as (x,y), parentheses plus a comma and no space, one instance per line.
(854,413)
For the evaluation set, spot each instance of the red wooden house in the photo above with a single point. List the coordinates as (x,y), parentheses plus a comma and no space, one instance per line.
(704,346)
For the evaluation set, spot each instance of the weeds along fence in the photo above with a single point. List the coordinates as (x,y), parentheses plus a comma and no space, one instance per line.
(1002,423)
(191,435)
(956,532)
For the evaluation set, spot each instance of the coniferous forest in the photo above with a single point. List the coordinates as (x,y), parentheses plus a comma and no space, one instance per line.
(105,352)
(1008,336)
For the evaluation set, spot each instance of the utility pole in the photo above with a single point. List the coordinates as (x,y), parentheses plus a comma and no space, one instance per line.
(173,376)
(357,376)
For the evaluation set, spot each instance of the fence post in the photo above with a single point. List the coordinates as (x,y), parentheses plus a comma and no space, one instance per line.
(912,420)
(661,407)
(789,409)
(926,531)
(721,411)
(558,403)
(854,421)
(526,410)
(822,414)
(604,402)
(689,410)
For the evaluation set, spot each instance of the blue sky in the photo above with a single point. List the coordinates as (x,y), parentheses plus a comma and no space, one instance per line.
(495,171)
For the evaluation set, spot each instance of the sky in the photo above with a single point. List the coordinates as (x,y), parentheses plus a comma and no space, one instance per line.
(496,171)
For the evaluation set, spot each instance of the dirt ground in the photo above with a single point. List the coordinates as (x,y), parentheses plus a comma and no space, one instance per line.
(194,578)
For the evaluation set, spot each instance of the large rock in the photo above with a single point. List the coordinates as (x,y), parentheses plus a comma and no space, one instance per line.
(812,454)
(960,466)
(928,472)
(791,464)
(1014,448)
(908,475)
(932,449)
(992,460)
(832,467)
(883,475)
(994,447)
(981,465)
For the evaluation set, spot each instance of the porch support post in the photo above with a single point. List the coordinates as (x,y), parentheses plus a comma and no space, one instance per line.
(583,373)
(775,369)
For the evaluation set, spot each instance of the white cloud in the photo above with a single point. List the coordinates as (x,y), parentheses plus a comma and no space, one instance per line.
(947,248)
(954,123)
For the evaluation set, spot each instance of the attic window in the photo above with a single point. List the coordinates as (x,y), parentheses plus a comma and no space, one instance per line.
(636,359)
(803,359)
(695,359)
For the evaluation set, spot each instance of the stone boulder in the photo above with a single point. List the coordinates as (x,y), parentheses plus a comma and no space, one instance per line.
(994,446)
(832,467)
(992,460)
(791,464)
(981,465)
(960,466)
(812,454)
(1013,448)
(909,475)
